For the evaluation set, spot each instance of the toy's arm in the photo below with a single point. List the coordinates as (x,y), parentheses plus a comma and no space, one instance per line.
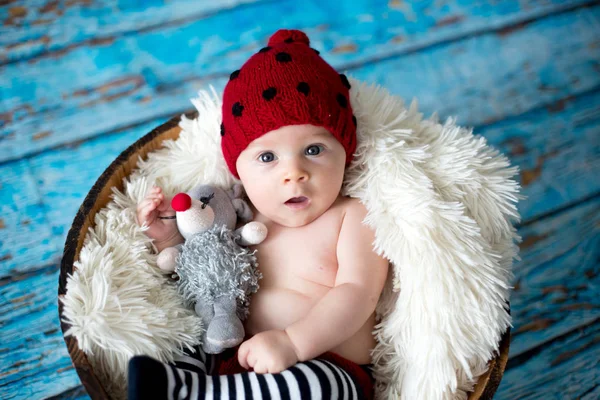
(252,233)
(167,258)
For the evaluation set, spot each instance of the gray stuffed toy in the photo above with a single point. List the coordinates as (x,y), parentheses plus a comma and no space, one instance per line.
(216,274)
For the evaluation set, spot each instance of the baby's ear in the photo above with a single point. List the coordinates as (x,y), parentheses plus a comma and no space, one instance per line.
(236,192)
(242,209)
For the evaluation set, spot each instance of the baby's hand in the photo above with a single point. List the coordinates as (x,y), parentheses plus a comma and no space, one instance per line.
(268,352)
(152,211)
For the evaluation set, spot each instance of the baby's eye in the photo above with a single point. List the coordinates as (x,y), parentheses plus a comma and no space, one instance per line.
(266,157)
(313,150)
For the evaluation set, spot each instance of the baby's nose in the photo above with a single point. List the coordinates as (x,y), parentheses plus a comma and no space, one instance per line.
(297,175)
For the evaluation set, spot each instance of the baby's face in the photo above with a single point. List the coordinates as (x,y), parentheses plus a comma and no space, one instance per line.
(296,161)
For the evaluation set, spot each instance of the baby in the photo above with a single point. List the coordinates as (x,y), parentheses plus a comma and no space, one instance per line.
(288,133)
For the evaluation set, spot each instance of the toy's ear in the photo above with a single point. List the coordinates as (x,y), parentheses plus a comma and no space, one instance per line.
(242,209)
(236,192)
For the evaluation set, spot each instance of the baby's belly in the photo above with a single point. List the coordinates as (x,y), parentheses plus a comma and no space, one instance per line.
(278,308)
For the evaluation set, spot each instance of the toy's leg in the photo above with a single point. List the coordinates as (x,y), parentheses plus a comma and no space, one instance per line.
(313,379)
(207,313)
(225,330)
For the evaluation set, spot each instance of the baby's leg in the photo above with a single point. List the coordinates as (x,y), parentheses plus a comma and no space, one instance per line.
(141,372)
(198,361)
(313,379)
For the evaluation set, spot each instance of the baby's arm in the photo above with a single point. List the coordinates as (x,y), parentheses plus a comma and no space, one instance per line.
(346,307)
(156,212)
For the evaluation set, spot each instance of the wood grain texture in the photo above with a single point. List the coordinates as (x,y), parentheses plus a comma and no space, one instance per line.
(564,369)
(49,101)
(557,149)
(42,26)
(26,238)
(34,362)
(525,74)
(556,283)
(40,197)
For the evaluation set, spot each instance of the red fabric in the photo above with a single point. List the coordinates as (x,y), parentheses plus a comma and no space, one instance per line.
(228,365)
(285,83)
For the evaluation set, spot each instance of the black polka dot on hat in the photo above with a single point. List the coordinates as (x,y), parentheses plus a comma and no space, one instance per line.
(237,109)
(283,57)
(345,81)
(265,49)
(303,88)
(222,129)
(234,74)
(354,120)
(289,40)
(342,100)
(316,51)
(269,93)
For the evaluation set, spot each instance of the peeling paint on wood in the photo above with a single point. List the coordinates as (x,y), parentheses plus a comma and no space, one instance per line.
(537,325)
(172,58)
(540,106)
(554,294)
(20,37)
(23,247)
(569,145)
(345,48)
(565,369)
(39,362)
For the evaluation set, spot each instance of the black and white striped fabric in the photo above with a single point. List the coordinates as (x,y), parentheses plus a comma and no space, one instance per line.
(190,378)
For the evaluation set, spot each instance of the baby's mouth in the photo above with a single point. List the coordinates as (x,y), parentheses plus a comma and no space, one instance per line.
(297,203)
(296,200)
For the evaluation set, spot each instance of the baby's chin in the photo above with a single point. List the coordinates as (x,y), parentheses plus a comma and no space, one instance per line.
(294,221)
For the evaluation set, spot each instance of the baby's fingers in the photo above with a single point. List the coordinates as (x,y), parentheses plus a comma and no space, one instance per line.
(243,355)
(165,204)
(145,210)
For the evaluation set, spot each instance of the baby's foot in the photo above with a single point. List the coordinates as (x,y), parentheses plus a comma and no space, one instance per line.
(155,211)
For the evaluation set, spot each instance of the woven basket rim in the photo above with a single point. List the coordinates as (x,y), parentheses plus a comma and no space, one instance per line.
(72,248)
(485,387)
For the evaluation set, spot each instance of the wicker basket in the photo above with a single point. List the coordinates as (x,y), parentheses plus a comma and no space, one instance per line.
(99,197)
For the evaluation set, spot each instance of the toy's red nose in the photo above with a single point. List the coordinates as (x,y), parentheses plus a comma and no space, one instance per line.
(181,202)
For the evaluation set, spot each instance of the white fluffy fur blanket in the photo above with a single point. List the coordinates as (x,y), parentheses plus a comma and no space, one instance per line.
(442,203)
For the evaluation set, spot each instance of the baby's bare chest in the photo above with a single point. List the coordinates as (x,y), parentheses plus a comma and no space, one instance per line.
(302,259)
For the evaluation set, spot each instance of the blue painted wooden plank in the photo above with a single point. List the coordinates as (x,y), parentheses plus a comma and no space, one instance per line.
(557,149)
(492,77)
(34,362)
(26,34)
(42,26)
(77,393)
(592,394)
(564,369)
(65,176)
(26,237)
(40,197)
(75,95)
(557,280)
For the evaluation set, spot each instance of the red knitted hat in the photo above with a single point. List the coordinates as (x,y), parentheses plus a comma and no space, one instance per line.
(285,83)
